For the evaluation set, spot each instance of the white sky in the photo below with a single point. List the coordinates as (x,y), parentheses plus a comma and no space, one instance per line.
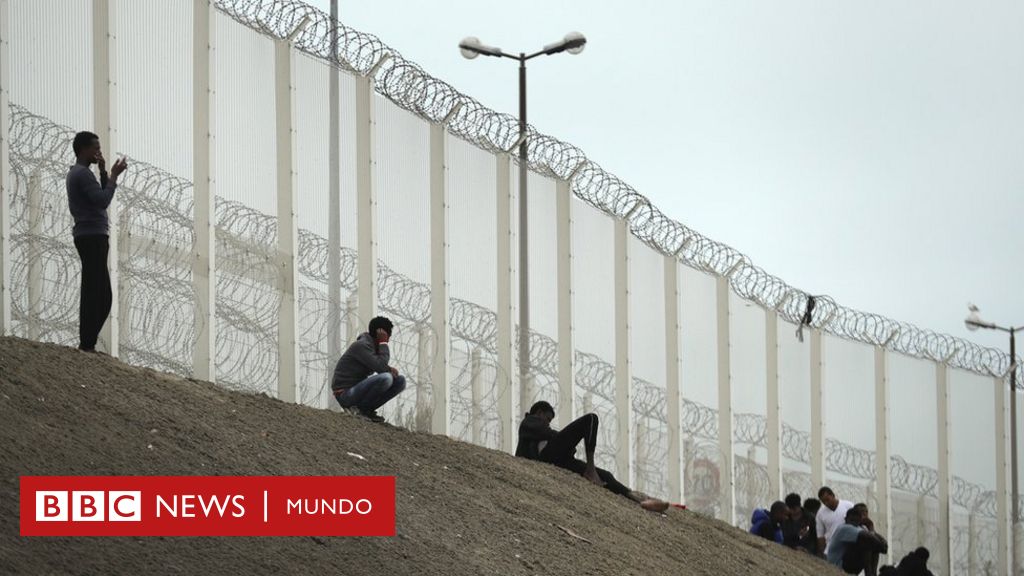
(871,151)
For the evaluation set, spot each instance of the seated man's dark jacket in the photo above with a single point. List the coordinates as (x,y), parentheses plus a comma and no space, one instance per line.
(532,431)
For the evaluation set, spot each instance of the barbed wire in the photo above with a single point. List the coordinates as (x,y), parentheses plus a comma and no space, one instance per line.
(156,220)
(410,87)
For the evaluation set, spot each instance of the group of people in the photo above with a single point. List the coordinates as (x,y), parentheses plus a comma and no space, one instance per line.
(364,380)
(838,531)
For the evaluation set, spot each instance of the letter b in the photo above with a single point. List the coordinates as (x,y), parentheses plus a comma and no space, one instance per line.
(51,506)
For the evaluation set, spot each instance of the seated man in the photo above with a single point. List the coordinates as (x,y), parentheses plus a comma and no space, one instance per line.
(768,523)
(363,381)
(851,544)
(799,528)
(538,441)
(871,565)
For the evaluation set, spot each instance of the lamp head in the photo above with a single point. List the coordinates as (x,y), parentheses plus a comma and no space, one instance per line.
(574,42)
(469,47)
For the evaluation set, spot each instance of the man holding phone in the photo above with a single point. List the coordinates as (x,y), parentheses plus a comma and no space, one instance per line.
(88,200)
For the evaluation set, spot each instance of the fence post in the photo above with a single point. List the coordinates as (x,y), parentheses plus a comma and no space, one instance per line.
(423,374)
(334,322)
(476,390)
(439,320)
(35,261)
(6,182)
(676,491)
(287,233)
(623,372)
(503,324)
(566,342)
(104,118)
(366,200)
(773,436)
(1002,470)
(817,411)
(943,489)
(204,250)
(883,478)
(726,472)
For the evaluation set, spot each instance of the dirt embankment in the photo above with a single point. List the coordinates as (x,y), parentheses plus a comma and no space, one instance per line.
(461,509)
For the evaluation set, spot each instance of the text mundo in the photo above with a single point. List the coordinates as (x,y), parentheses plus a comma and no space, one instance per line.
(335,506)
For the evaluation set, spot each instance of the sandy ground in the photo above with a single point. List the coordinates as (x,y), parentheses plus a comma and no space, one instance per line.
(461,509)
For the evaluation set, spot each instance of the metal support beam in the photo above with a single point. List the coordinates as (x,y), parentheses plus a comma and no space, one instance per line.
(204,251)
(773,435)
(334,320)
(503,324)
(6,322)
(35,262)
(287,230)
(366,201)
(944,560)
(476,390)
(104,115)
(623,371)
(883,478)
(672,378)
(1002,474)
(817,411)
(726,471)
(566,342)
(423,371)
(439,317)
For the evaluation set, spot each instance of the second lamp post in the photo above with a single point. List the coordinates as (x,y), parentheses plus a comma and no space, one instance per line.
(471,47)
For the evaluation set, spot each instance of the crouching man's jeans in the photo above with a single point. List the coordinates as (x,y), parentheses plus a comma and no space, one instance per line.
(372,393)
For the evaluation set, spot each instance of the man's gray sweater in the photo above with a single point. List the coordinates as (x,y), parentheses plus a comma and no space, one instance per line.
(362,359)
(88,202)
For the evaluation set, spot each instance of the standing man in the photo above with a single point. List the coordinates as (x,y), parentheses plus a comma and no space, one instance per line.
(830,517)
(363,381)
(88,201)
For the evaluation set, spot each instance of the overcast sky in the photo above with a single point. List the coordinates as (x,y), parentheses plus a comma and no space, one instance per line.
(872,150)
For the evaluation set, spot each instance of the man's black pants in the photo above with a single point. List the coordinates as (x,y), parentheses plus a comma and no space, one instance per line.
(96,299)
(561,450)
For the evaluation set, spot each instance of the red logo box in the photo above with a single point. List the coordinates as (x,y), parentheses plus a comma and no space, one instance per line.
(207,505)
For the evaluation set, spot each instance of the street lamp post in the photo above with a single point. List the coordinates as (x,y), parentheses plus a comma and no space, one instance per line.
(973,322)
(470,48)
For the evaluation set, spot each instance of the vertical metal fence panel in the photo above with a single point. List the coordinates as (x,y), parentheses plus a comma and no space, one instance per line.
(650,411)
(248,298)
(915,456)
(401,177)
(700,391)
(593,275)
(849,411)
(795,401)
(472,196)
(543,279)
(973,524)
(750,399)
(49,52)
(312,164)
(154,68)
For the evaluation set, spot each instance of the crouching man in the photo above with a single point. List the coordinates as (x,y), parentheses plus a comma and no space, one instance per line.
(363,380)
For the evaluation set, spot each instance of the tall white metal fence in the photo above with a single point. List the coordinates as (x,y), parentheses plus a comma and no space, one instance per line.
(248,247)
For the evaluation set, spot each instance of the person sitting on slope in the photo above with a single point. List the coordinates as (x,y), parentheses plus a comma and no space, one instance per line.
(539,441)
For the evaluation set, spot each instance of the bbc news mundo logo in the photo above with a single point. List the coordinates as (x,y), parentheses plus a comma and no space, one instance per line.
(207,505)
